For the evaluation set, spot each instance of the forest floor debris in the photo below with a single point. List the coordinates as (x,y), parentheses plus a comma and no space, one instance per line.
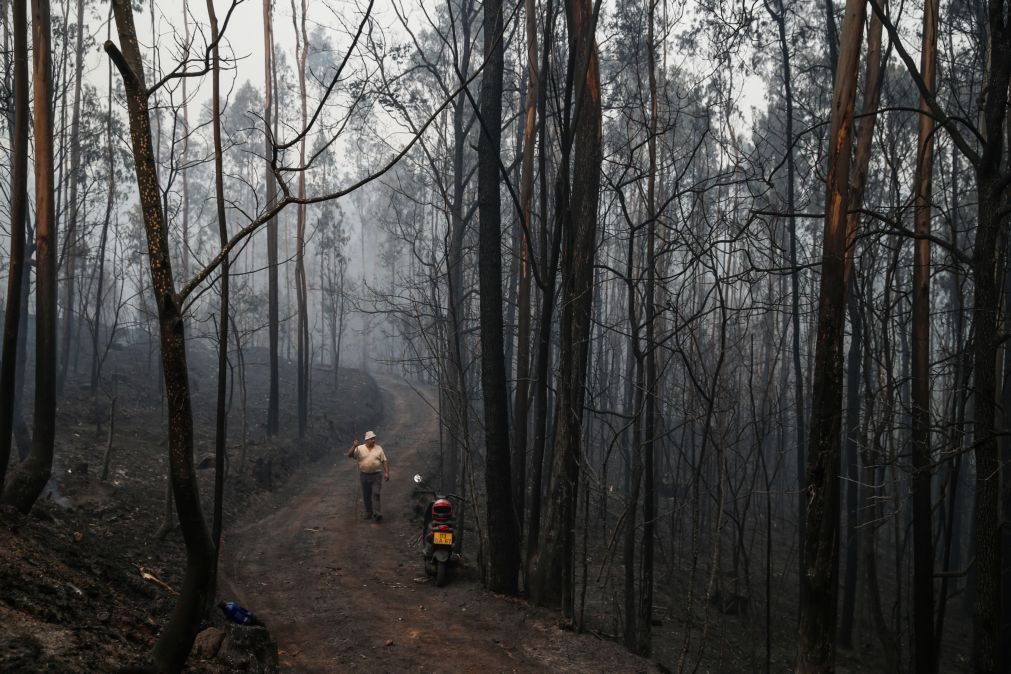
(85,585)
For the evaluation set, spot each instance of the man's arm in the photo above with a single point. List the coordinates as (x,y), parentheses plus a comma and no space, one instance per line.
(351,452)
(386,469)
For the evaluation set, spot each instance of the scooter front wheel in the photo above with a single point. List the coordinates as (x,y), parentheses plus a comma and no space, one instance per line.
(441,573)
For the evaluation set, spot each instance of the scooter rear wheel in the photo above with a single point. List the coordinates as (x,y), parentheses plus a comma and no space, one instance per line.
(440,574)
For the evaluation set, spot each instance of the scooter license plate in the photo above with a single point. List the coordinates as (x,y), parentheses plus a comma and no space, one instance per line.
(442,538)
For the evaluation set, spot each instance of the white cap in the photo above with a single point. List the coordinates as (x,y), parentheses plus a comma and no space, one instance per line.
(369,435)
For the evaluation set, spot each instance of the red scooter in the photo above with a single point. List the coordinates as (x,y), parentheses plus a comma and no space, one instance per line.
(440,544)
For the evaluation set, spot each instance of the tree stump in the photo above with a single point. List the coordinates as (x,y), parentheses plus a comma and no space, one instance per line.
(249,649)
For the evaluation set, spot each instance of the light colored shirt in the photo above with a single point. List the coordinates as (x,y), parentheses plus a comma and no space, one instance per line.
(369,460)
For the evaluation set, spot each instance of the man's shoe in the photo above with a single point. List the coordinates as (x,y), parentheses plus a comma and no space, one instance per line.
(378,518)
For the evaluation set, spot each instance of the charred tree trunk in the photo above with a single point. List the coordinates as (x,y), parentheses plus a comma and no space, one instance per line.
(70,256)
(503,539)
(22,434)
(992,196)
(644,644)
(520,400)
(820,552)
(549,267)
(852,463)
(986,310)
(634,464)
(779,16)
(221,413)
(273,315)
(923,545)
(456,384)
(865,137)
(29,479)
(553,581)
(176,638)
(110,200)
(18,208)
(301,283)
(184,249)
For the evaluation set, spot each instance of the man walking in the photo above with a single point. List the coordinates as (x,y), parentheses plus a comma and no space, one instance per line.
(373,467)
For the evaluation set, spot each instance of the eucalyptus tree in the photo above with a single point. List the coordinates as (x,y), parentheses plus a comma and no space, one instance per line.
(333,236)
(443,56)
(923,546)
(270,132)
(817,630)
(113,163)
(18,122)
(224,318)
(31,476)
(577,194)
(299,21)
(72,237)
(858,184)
(176,639)
(521,405)
(637,131)
(986,151)
(503,535)
(780,17)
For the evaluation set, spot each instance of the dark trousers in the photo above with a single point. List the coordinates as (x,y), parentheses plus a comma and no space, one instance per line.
(372,487)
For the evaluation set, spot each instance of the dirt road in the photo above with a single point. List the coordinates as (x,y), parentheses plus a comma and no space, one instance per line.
(343,594)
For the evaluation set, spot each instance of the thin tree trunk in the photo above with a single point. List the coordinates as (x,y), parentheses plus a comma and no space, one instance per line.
(301,287)
(340,324)
(273,311)
(953,540)
(70,265)
(635,450)
(831,36)
(549,267)
(61,83)
(107,459)
(184,252)
(96,361)
(644,641)
(520,400)
(243,393)
(221,416)
(22,434)
(15,322)
(861,160)
(554,578)
(13,325)
(923,545)
(456,380)
(779,16)
(852,468)
(871,522)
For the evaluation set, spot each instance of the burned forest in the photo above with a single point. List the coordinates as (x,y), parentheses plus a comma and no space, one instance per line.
(511,335)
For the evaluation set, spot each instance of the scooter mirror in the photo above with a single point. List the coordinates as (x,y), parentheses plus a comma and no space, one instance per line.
(417,479)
